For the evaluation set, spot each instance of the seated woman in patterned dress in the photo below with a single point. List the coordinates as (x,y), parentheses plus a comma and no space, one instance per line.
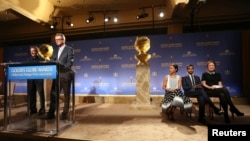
(173,94)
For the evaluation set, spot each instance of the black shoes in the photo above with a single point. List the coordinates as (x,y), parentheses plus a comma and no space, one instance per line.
(41,112)
(33,112)
(64,116)
(50,116)
(226,118)
(203,121)
(236,111)
(218,111)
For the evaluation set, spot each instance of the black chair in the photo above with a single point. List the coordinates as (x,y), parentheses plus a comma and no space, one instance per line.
(210,113)
(189,114)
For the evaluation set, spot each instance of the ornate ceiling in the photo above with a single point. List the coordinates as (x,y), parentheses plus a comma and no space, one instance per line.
(38,15)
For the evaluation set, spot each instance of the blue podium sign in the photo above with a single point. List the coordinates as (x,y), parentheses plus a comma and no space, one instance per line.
(32,72)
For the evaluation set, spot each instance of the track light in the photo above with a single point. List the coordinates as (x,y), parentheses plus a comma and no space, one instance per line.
(161,14)
(69,23)
(54,24)
(106,19)
(115,19)
(90,19)
(142,15)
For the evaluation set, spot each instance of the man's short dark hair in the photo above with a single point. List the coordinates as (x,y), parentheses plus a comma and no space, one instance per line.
(190,65)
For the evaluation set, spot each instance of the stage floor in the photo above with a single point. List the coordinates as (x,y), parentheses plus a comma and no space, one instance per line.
(111,122)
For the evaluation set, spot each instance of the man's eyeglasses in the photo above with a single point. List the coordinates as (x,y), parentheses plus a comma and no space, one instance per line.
(58,39)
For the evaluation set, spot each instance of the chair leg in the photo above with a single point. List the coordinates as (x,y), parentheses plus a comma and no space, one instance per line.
(189,115)
(181,110)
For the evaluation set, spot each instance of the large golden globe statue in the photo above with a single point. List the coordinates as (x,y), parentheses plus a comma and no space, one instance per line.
(142,45)
(46,51)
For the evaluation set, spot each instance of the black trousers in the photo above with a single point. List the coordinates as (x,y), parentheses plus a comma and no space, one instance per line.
(224,96)
(65,86)
(34,87)
(202,98)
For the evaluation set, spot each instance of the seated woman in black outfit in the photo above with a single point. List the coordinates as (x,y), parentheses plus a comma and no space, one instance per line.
(212,83)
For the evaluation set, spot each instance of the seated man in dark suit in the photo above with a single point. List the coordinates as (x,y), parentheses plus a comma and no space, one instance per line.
(192,87)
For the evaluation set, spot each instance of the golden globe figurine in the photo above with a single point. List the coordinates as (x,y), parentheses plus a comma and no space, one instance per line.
(142,45)
(45,51)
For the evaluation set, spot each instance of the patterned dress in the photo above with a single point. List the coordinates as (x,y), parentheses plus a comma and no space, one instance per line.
(176,98)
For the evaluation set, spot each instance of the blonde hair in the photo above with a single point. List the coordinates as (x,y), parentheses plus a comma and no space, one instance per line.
(211,62)
(62,35)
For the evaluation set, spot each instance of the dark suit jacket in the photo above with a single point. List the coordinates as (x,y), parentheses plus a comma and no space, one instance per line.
(66,60)
(187,84)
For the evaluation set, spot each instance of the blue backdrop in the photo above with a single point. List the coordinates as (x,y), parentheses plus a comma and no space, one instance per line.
(107,66)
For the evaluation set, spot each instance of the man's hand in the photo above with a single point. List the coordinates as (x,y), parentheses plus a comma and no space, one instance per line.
(199,86)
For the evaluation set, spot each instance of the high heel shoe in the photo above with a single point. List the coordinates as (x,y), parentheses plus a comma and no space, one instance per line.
(236,111)
(218,111)
(226,118)
(41,111)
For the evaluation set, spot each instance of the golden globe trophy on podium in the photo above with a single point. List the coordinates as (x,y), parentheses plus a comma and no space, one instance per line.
(142,45)
(143,100)
(46,51)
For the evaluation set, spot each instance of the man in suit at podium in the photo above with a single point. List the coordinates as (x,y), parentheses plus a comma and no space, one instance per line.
(64,55)
(192,87)
(35,86)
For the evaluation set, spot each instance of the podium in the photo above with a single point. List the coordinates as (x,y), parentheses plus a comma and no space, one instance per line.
(29,70)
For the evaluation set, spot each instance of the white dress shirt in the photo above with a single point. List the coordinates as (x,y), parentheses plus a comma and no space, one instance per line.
(60,51)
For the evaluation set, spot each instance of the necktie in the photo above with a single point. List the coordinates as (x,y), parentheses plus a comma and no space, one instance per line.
(192,79)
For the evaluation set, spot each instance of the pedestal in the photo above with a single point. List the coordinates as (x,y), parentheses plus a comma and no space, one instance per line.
(142,88)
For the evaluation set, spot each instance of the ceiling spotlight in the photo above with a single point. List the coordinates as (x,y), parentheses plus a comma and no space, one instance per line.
(69,23)
(161,14)
(142,15)
(115,19)
(90,19)
(54,24)
(106,19)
